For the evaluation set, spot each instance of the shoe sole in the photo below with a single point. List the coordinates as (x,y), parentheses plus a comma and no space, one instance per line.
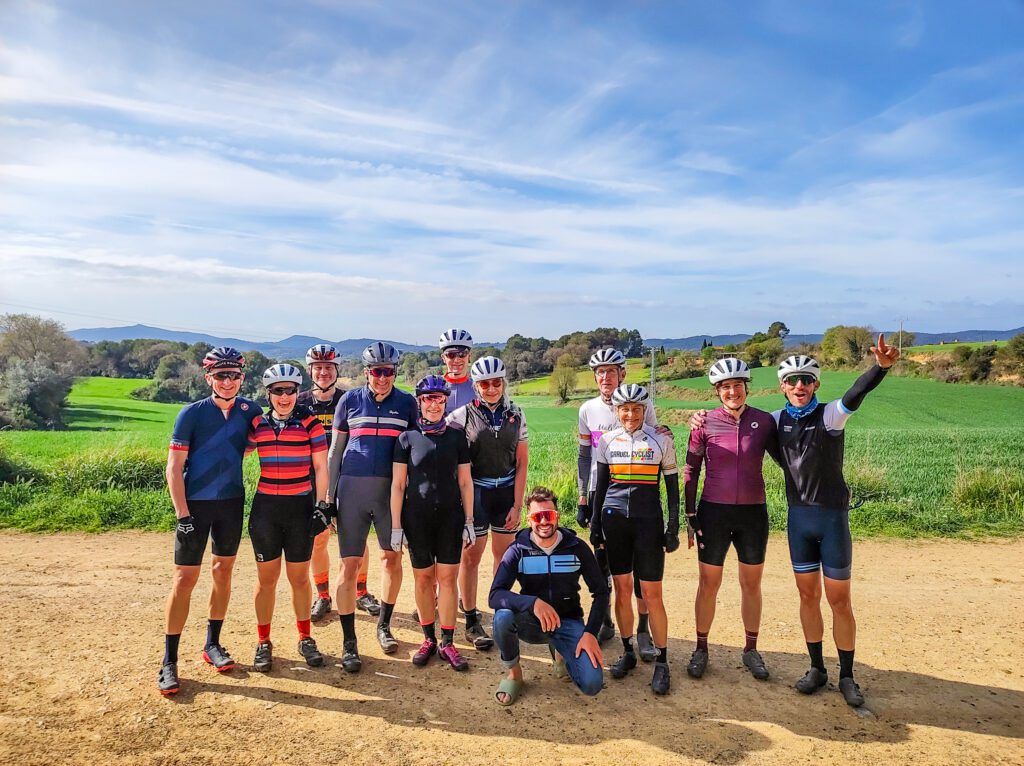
(812,690)
(389,648)
(315,662)
(353,668)
(262,668)
(222,668)
(169,692)
(649,656)
(482,644)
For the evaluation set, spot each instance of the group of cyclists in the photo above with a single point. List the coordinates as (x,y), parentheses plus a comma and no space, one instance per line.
(441,470)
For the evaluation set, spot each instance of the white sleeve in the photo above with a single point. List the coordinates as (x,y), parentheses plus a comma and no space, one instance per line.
(601,453)
(836,415)
(668,455)
(457,417)
(583,430)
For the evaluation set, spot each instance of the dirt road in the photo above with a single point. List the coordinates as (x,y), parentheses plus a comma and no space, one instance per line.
(939,659)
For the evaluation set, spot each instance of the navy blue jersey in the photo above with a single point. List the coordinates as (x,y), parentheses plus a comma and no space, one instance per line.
(372,428)
(215,447)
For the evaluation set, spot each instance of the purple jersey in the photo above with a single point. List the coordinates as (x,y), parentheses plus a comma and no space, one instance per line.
(733,452)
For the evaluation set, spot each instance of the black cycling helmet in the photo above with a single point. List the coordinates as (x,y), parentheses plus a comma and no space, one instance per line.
(223,357)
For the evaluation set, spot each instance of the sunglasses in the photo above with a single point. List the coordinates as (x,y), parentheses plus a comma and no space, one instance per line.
(283,390)
(227,376)
(432,397)
(807,380)
(382,372)
(495,383)
(456,354)
(545,516)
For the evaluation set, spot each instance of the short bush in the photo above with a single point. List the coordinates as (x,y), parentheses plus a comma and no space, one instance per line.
(122,469)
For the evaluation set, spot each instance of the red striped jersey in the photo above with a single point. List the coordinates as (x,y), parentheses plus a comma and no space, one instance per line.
(636,461)
(372,428)
(286,456)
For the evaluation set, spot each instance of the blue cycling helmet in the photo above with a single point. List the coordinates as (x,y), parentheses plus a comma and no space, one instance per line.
(380,353)
(433,384)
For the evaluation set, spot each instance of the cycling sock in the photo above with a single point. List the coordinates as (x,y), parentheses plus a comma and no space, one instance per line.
(814,650)
(171,647)
(303,626)
(627,643)
(663,654)
(428,630)
(386,610)
(751,641)
(361,586)
(846,663)
(263,631)
(472,617)
(213,631)
(348,626)
(322,581)
(642,624)
(702,641)
(447,635)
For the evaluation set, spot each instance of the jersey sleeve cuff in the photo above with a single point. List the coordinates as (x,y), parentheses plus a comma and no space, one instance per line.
(842,407)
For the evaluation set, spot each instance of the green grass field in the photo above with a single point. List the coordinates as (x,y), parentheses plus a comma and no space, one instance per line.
(948,348)
(926,458)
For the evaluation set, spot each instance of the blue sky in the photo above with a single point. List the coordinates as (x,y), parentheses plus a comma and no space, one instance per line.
(348,169)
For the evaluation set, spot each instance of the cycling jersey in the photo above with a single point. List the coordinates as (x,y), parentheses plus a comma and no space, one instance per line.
(598,417)
(433,462)
(734,452)
(493,436)
(323,411)
(462,393)
(286,452)
(215,445)
(635,462)
(372,428)
(811,449)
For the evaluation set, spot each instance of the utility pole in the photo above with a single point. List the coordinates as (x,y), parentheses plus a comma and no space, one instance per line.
(651,391)
(901,320)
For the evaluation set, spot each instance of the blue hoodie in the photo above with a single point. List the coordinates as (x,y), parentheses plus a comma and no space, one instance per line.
(554,578)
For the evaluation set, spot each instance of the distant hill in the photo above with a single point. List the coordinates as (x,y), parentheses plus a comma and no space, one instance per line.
(296,345)
(693,342)
(288,348)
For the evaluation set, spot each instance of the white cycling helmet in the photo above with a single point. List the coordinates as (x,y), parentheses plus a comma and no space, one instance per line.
(379,353)
(323,352)
(487,368)
(629,393)
(455,337)
(607,356)
(729,368)
(799,365)
(282,373)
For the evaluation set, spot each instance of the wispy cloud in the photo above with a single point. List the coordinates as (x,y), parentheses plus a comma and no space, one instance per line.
(513,172)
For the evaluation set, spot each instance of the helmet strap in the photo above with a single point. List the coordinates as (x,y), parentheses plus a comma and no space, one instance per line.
(224,398)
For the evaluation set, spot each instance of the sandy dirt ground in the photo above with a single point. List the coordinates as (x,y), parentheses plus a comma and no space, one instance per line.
(939,659)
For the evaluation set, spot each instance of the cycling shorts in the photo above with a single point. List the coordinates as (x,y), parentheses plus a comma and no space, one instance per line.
(602,561)
(490,509)
(433,538)
(362,501)
(634,544)
(219,519)
(819,538)
(744,526)
(280,524)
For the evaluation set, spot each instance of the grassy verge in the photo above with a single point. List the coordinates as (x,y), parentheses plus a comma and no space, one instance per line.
(922,458)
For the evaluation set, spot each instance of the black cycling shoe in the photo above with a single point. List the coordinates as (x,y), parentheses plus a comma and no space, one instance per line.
(623,665)
(368,603)
(321,608)
(645,647)
(475,633)
(851,692)
(218,656)
(350,661)
(388,643)
(813,680)
(167,679)
(606,632)
(698,663)
(661,679)
(755,664)
(309,652)
(264,657)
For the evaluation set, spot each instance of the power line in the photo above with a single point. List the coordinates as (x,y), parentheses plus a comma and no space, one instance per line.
(51,310)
